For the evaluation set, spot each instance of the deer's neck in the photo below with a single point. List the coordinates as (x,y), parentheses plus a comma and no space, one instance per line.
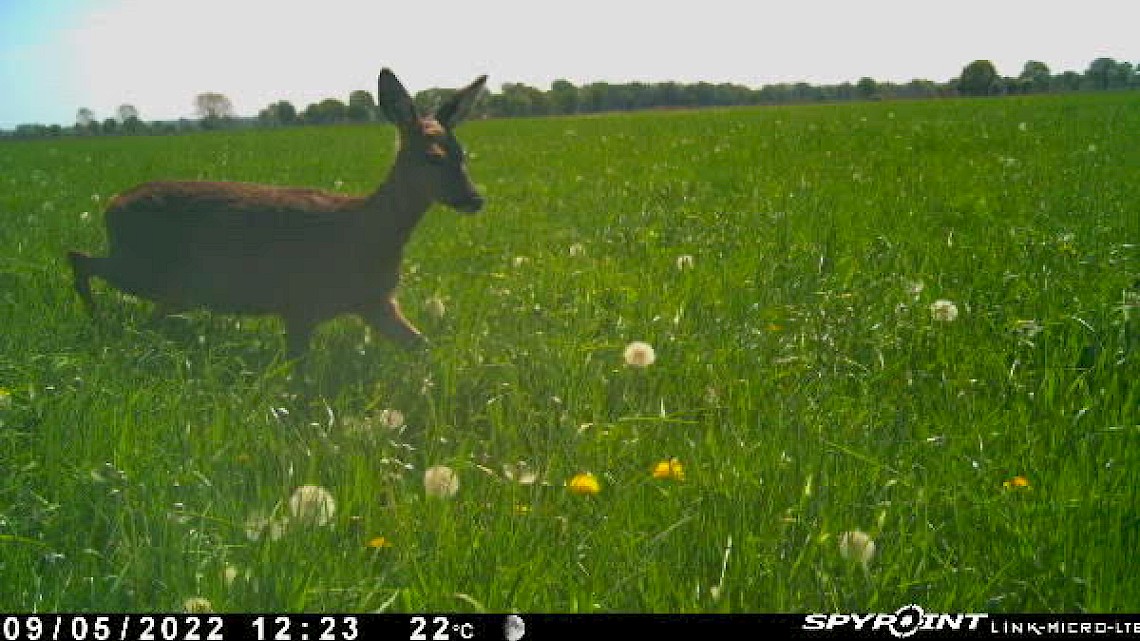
(397,207)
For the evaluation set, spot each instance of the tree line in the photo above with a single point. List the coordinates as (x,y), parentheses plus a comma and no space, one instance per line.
(978,78)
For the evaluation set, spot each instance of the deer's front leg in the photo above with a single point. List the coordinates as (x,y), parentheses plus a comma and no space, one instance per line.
(385,317)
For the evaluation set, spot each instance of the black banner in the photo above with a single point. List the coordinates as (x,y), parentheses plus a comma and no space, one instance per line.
(907,622)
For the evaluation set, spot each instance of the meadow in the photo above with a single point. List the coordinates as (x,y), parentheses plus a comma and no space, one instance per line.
(785,264)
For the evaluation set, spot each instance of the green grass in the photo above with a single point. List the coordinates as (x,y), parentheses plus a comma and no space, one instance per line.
(800,380)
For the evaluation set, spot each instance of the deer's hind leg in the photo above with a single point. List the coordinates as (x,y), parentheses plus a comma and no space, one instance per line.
(385,317)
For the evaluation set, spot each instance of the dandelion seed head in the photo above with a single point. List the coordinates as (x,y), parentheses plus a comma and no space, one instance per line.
(435,307)
(857,546)
(259,525)
(312,505)
(441,481)
(197,605)
(943,311)
(577,249)
(915,287)
(391,419)
(684,261)
(639,354)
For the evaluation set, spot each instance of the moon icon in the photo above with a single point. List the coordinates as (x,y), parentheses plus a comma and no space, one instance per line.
(514,628)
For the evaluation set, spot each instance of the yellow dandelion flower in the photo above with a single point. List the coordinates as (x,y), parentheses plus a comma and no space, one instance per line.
(1017,482)
(5,399)
(585,484)
(521,509)
(669,470)
(378,542)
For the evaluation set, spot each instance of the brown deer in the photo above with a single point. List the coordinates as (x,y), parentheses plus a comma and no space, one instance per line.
(304,254)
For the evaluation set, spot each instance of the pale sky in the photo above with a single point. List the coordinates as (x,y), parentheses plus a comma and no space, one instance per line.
(59,55)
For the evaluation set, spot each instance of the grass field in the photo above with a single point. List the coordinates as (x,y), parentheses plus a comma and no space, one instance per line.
(802,379)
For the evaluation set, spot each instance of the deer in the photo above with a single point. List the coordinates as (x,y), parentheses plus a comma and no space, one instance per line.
(306,255)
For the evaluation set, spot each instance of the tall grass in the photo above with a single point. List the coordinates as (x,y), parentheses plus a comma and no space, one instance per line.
(800,379)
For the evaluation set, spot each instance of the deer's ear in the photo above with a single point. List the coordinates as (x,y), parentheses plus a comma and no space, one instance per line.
(395,101)
(458,106)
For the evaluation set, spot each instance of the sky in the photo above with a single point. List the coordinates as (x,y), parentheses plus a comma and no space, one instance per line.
(57,56)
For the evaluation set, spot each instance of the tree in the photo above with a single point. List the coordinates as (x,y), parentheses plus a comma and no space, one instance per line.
(979,78)
(85,121)
(213,109)
(281,112)
(1068,81)
(361,106)
(1106,73)
(1036,76)
(563,97)
(332,110)
(129,119)
(126,112)
(867,88)
(110,125)
(326,111)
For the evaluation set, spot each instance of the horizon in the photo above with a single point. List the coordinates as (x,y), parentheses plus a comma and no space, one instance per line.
(59,56)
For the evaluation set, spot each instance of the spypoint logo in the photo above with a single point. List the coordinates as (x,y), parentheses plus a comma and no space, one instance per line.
(905,622)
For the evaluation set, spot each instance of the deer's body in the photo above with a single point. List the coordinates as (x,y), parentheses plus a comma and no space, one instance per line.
(305,254)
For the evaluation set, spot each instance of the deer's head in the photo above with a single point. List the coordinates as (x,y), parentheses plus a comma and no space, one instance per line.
(428,147)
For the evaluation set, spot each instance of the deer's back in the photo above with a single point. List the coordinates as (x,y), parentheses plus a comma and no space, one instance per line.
(246,248)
